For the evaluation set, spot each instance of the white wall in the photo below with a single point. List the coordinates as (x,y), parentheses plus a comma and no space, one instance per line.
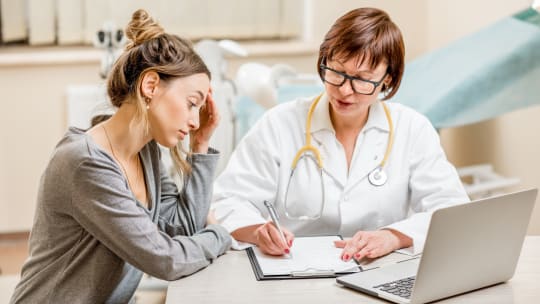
(411,16)
(450,20)
(33,119)
(33,100)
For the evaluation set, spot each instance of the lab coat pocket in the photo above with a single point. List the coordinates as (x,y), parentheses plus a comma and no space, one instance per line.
(388,203)
(392,200)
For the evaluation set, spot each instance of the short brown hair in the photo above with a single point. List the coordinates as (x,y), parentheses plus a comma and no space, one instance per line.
(367,33)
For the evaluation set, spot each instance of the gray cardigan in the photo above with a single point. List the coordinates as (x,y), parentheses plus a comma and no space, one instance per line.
(91,240)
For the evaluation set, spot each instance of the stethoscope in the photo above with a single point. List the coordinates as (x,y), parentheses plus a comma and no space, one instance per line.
(377,177)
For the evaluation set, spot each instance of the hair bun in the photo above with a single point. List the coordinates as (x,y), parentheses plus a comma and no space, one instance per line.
(141,28)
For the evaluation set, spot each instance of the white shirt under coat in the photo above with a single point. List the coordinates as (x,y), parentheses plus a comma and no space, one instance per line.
(420,178)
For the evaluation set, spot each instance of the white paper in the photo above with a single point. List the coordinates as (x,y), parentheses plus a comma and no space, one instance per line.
(309,255)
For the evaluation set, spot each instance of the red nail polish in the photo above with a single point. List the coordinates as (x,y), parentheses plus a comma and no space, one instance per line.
(357,255)
(287,250)
(290,243)
(346,257)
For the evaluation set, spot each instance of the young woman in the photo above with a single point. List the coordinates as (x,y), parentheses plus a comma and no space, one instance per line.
(106,209)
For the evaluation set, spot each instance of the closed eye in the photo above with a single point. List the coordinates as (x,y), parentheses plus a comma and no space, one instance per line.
(196,100)
(191,103)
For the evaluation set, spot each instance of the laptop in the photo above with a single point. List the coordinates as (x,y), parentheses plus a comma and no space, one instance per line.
(467,247)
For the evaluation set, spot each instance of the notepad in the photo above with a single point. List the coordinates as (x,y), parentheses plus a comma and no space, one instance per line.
(311,257)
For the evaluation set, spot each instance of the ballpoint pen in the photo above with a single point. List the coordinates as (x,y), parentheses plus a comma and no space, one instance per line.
(274,217)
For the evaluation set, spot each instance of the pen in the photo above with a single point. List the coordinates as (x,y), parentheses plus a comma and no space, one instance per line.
(274,217)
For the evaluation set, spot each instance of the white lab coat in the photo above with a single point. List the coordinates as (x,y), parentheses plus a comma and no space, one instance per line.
(420,179)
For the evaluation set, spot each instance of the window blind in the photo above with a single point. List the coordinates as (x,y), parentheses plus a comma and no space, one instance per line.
(64,22)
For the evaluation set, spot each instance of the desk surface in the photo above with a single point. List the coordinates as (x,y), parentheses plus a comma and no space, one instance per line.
(230,279)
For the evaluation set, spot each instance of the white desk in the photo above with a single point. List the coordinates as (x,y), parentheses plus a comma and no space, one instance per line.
(230,280)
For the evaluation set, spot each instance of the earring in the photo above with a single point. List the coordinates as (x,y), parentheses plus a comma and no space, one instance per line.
(147,100)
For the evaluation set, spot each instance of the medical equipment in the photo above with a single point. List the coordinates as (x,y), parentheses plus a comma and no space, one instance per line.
(482,181)
(112,39)
(86,101)
(377,177)
(481,76)
(261,87)
(254,80)
(316,207)
(259,82)
(225,93)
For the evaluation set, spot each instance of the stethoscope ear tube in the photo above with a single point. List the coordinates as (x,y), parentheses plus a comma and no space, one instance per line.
(378,177)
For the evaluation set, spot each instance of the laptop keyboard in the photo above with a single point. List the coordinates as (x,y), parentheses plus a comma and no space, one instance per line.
(401,288)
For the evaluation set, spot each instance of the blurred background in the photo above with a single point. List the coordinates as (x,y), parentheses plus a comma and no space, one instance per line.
(472,69)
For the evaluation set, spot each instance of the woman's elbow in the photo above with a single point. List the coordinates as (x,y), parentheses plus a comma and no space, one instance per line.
(173,269)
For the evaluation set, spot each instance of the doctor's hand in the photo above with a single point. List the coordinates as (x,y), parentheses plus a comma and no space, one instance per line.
(268,239)
(372,244)
(208,122)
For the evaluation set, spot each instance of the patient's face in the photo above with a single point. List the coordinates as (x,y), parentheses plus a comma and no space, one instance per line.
(175,107)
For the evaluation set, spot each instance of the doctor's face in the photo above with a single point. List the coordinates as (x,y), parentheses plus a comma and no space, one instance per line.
(349,84)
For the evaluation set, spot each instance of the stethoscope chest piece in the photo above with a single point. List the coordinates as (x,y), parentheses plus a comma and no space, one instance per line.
(377,177)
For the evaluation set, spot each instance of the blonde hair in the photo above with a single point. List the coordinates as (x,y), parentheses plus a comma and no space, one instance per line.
(151,49)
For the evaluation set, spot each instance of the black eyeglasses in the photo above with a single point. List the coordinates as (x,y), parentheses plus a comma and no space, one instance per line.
(359,85)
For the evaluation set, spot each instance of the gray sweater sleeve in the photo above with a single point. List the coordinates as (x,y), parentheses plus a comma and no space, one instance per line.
(194,200)
(101,204)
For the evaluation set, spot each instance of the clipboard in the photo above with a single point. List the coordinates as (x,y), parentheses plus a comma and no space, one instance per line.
(326,264)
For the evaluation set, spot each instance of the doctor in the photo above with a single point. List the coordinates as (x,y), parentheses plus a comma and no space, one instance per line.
(343,162)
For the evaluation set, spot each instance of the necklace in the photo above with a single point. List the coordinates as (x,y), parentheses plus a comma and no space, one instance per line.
(118,160)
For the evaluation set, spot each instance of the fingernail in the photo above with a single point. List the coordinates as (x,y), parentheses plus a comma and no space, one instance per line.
(287,250)
(290,243)
(346,257)
(357,255)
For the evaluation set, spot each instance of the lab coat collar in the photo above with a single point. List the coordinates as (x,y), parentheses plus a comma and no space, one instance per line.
(377,118)
(373,145)
(321,117)
(369,151)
